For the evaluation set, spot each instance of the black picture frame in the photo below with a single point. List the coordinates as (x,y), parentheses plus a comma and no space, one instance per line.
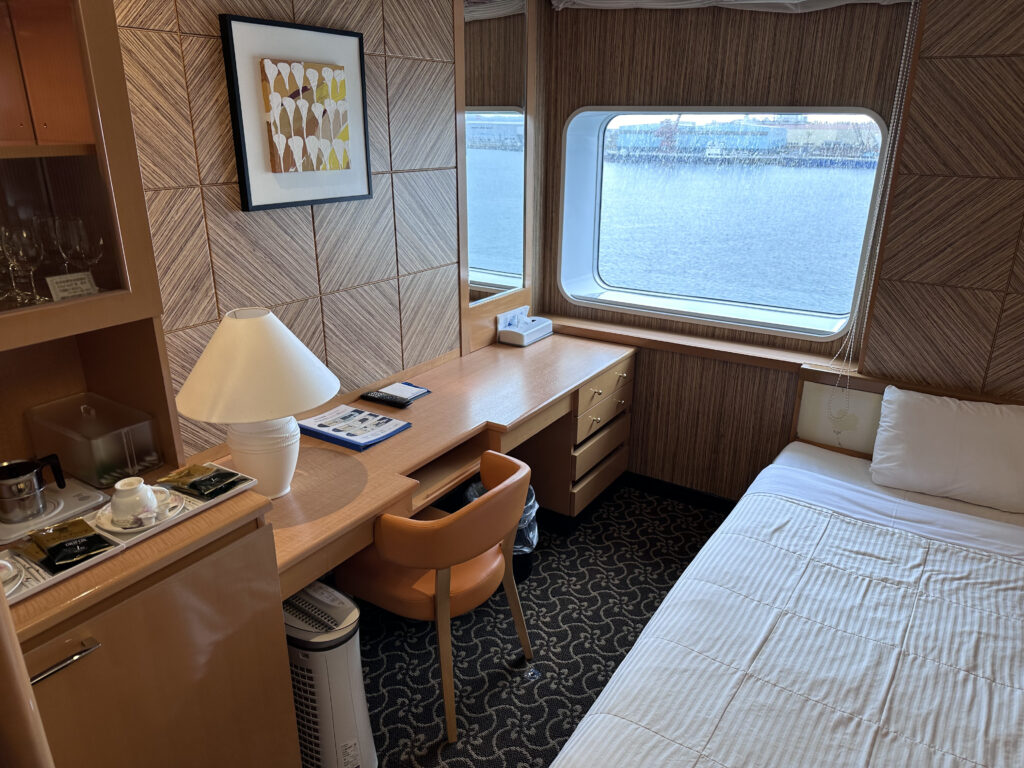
(249,202)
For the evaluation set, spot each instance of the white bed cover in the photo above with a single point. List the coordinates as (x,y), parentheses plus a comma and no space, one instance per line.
(829,622)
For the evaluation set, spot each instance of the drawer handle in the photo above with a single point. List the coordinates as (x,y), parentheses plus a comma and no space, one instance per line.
(621,402)
(597,392)
(596,419)
(89,645)
(622,375)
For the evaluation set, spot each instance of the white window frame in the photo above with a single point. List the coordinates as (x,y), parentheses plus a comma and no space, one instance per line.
(580,218)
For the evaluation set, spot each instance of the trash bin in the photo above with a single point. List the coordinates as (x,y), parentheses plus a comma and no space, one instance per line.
(526,533)
(322,629)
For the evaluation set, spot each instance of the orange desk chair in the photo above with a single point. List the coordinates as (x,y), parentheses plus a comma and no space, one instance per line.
(433,569)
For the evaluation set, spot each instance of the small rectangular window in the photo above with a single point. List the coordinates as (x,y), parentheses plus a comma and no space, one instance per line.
(752,219)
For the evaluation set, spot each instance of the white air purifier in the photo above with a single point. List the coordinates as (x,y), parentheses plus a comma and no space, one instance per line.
(322,627)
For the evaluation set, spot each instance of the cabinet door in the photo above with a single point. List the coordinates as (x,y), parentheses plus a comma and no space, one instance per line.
(15,120)
(51,62)
(192,671)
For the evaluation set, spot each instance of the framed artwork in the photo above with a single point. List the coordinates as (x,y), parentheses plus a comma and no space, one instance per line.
(298,110)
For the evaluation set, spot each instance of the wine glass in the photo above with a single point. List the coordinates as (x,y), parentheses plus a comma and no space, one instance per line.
(92,249)
(29,257)
(70,240)
(9,250)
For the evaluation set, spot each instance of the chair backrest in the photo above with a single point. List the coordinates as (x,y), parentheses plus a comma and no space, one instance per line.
(462,535)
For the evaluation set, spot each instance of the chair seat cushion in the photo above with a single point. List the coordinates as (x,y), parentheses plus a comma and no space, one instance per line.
(409,592)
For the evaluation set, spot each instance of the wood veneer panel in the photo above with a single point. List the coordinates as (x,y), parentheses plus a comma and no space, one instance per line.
(355,240)
(305,320)
(183,350)
(182,254)
(365,16)
(419,28)
(377,113)
(146,14)
(715,428)
(1017,280)
(953,231)
(426,218)
(159,105)
(363,333)
(430,314)
(494,62)
(262,257)
(15,118)
(199,17)
(421,105)
(848,56)
(209,108)
(931,335)
(965,116)
(974,28)
(1006,370)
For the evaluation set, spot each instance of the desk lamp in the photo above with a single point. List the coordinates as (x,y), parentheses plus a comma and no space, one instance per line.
(254,375)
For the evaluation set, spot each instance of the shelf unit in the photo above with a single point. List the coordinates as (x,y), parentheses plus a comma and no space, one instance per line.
(112,342)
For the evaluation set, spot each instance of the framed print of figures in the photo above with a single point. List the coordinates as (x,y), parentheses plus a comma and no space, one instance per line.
(298,109)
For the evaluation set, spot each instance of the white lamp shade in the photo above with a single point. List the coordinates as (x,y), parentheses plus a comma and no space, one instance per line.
(254,369)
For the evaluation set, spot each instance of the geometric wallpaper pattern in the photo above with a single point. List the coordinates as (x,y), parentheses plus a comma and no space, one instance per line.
(371,286)
(948,311)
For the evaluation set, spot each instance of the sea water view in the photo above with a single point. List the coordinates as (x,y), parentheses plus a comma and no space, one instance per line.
(731,209)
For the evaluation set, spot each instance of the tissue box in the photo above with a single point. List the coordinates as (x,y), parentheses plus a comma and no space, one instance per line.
(517,328)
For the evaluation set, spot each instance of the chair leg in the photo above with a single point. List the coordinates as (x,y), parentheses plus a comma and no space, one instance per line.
(442,598)
(508,581)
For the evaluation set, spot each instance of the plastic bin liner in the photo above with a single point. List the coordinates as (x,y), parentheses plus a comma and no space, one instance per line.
(527,532)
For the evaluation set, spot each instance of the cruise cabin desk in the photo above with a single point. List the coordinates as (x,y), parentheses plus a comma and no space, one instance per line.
(496,398)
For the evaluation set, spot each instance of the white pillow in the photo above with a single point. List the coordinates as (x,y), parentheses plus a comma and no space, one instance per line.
(946,447)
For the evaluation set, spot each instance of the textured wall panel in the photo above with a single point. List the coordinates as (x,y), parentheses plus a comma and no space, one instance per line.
(159,104)
(183,350)
(261,258)
(426,220)
(714,427)
(305,320)
(430,314)
(421,29)
(1017,281)
(495,63)
(973,28)
(363,333)
(355,241)
(1006,370)
(182,257)
(146,14)
(421,101)
(952,231)
(965,116)
(208,104)
(377,113)
(199,17)
(365,16)
(931,335)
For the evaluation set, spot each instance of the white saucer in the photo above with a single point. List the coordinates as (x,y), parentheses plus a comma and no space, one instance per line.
(11,574)
(174,504)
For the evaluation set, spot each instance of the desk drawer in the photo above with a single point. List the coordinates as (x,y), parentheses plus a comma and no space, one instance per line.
(595,481)
(603,385)
(597,417)
(592,450)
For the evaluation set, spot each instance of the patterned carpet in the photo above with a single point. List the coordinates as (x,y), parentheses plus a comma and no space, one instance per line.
(589,595)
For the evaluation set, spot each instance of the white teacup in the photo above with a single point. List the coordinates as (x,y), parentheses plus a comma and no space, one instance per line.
(134,502)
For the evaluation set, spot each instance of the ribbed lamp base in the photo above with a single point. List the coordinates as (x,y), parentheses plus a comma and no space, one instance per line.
(267,451)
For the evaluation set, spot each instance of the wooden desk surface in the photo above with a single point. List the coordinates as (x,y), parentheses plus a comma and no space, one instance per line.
(337,493)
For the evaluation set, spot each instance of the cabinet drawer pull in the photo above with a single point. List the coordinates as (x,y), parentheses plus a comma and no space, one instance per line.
(621,402)
(622,375)
(89,645)
(596,419)
(597,392)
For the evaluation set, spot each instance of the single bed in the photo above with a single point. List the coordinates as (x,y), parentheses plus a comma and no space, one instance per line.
(828,622)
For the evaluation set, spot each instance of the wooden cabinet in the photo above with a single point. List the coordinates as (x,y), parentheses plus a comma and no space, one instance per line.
(15,118)
(581,453)
(191,670)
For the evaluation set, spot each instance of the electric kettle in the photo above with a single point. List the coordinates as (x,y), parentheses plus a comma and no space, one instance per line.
(22,486)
